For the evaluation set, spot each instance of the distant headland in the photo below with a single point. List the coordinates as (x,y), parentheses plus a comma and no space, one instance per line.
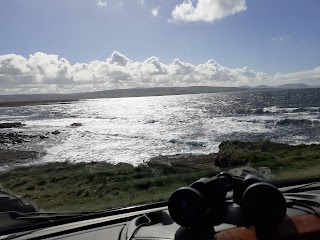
(30,99)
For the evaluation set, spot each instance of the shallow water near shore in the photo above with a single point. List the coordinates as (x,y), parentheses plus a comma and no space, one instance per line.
(133,130)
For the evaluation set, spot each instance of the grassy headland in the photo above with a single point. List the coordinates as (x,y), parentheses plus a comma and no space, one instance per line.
(95,186)
(285,161)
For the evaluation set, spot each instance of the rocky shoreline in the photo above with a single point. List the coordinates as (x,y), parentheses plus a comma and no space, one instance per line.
(210,161)
(17,146)
(185,160)
(262,157)
(21,146)
(268,159)
(154,180)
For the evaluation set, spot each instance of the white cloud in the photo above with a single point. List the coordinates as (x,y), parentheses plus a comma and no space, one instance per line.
(311,77)
(142,2)
(45,73)
(118,59)
(155,11)
(282,37)
(207,10)
(102,3)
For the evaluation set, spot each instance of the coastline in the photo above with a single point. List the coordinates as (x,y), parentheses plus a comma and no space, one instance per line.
(19,147)
(65,186)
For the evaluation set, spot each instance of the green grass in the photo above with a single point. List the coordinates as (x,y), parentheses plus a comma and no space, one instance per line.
(95,186)
(285,161)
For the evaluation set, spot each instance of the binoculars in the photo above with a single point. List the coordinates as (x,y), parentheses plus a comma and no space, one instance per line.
(204,204)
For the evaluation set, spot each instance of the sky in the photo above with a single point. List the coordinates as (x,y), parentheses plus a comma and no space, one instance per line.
(65,46)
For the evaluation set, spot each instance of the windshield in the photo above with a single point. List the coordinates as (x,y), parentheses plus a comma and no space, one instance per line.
(109,103)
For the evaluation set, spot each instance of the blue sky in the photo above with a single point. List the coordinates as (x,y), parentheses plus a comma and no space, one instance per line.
(277,40)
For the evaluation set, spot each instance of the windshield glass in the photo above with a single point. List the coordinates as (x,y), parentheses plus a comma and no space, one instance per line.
(109,103)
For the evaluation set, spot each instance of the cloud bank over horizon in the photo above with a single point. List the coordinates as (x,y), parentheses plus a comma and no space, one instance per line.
(47,73)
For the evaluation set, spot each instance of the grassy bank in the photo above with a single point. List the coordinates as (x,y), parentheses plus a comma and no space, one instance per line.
(285,161)
(96,186)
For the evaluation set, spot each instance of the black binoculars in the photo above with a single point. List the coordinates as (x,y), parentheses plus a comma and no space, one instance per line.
(203,203)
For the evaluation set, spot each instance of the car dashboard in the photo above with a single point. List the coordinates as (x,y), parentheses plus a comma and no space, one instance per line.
(155,222)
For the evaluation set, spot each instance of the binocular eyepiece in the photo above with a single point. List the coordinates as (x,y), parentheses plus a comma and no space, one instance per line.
(203,204)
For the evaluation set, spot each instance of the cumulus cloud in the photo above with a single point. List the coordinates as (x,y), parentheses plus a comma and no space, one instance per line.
(118,59)
(102,3)
(207,10)
(155,11)
(47,73)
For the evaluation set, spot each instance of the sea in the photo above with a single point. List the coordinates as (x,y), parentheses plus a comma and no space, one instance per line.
(134,129)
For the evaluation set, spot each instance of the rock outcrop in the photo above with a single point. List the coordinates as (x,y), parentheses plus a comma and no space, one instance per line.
(11,202)
(185,160)
(76,125)
(11,125)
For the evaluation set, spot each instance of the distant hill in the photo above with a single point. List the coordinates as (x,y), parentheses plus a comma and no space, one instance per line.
(118,93)
(287,86)
(159,91)
(245,86)
(294,86)
(264,86)
(6,100)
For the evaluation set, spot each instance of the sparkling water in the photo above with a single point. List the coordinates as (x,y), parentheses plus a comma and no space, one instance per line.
(134,129)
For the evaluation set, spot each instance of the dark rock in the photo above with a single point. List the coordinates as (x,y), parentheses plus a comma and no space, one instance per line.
(185,160)
(56,132)
(43,136)
(12,202)
(17,140)
(23,135)
(152,121)
(76,125)
(11,125)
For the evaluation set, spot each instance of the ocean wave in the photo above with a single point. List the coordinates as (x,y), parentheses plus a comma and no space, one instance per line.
(194,143)
(307,110)
(278,110)
(269,110)
(290,121)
